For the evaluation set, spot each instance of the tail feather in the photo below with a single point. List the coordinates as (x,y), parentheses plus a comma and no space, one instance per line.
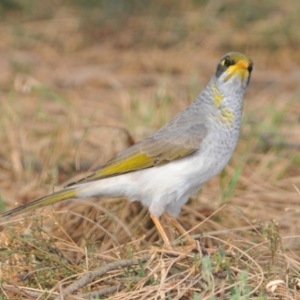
(50,199)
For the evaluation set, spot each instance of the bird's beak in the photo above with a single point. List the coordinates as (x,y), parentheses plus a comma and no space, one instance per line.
(241,68)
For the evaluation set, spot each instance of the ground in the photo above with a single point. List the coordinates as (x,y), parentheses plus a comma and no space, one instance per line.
(79,82)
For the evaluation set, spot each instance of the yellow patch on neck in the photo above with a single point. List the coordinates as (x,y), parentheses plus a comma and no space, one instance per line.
(227,116)
(217,96)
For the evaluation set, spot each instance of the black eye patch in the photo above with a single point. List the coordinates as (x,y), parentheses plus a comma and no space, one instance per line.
(250,68)
(227,62)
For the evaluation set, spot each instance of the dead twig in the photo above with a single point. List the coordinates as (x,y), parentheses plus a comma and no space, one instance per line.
(102,292)
(90,276)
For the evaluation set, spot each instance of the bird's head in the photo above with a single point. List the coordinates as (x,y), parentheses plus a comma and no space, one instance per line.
(234,69)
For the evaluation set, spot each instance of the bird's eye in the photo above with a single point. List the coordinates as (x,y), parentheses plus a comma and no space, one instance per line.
(227,62)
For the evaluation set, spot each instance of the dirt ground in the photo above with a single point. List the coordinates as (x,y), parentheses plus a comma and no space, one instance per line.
(78,84)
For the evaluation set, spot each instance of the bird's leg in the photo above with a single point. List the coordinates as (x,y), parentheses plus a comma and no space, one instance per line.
(181,230)
(161,231)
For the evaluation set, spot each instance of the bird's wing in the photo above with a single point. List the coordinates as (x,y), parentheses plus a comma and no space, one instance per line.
(177,139)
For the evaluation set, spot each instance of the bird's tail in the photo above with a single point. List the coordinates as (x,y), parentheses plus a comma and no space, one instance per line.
(50,199)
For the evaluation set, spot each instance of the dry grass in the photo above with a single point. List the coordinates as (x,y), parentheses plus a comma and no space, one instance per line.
(76,88)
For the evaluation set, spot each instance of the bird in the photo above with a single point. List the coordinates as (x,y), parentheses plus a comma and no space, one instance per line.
(163,170)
